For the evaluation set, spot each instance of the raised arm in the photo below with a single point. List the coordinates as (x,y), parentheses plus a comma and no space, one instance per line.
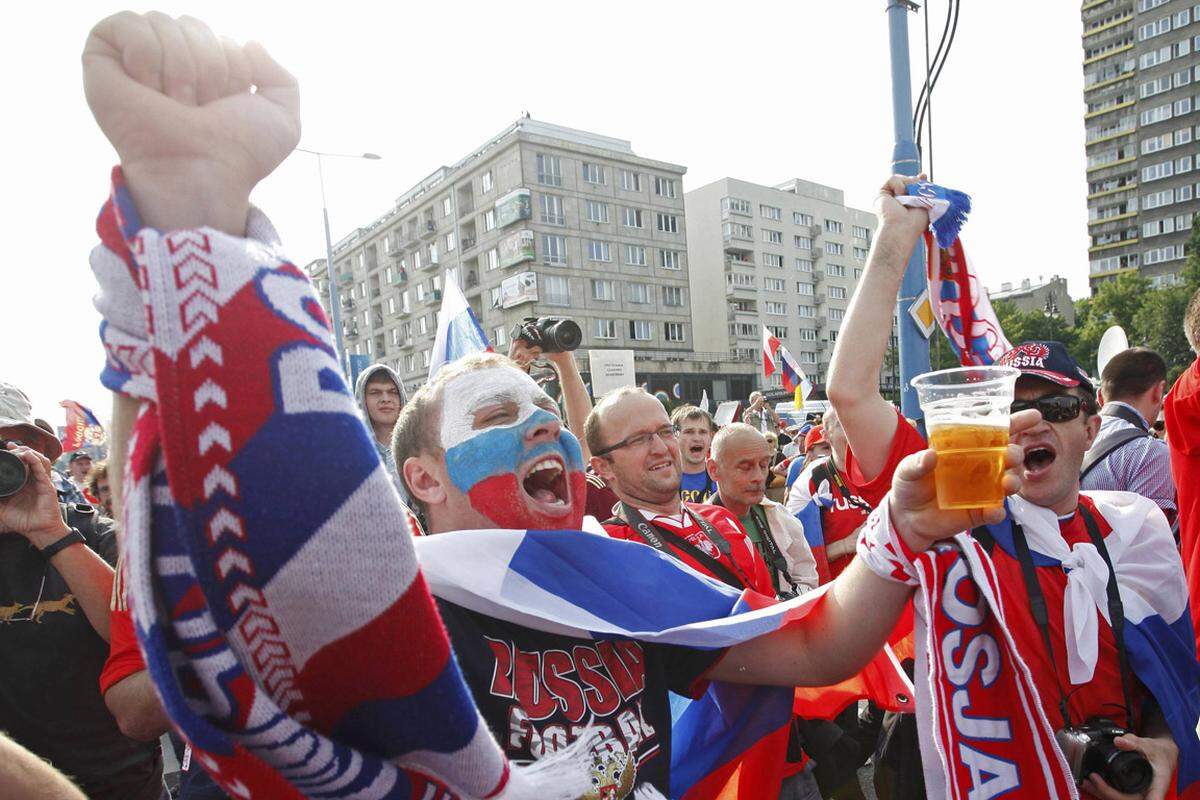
(853,385)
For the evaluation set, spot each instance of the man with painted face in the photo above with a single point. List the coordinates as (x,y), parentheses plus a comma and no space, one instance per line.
(696,429)
(822,499)
(635,449)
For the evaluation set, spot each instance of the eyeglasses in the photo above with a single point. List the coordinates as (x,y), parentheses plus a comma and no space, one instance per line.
(667,433)
(1054,407)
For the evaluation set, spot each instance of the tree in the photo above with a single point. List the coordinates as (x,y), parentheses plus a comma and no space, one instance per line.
(1158,325)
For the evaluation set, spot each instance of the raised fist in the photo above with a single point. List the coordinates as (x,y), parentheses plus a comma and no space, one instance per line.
(197,121)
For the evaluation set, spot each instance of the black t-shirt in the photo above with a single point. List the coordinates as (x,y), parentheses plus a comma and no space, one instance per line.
(538,691)
(50,667)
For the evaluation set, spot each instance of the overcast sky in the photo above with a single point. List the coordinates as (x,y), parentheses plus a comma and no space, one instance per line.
(754,90)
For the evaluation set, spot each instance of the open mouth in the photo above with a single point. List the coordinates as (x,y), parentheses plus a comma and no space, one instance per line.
(660,466)
(696,451)
(1038,459)
(546,484)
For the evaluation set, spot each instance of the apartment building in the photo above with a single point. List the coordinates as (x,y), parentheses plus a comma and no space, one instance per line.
(1142,88)
(1047,297)
(540,220)
(786,257)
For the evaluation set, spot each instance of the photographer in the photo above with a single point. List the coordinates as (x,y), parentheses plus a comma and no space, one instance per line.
(555,340)
(55,581)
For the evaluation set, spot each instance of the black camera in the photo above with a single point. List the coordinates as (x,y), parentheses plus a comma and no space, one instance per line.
(1089,749)
(13,472)
(552,334)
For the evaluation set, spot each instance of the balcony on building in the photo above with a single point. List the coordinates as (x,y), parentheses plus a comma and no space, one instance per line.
(465,199)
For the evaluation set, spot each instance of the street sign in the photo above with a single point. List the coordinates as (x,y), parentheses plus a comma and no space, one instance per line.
(921,311)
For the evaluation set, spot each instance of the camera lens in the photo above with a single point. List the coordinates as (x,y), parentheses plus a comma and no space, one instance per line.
(566,335)
(1128,772)
(13,473)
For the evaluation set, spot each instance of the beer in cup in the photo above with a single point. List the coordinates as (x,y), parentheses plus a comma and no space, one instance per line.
(966,415)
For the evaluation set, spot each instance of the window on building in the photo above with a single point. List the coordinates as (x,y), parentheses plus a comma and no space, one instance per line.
(404,306)
(836,270)
(735,205)
(834,249)
(631,181)
(770,212)
(640,330)
(808,357)
(778,331)
(860,232)
(804,265)
(635,255)
(664,187)
(424,359)
(631,217)
(668,259)
(639,293)
(739,279)
(489,220)
(491,259)
(673,332)
(667,223)
(599,251)
(800,218)
(485,182)
(773,260)
(556,290)
(860,253)
(774,285)
(604,290)
(499,336)
(410,362)
(597,212)
(802,242)
(549,170)
(833,226)
(672,296)
(594,173)
(423,325)
(807,335)
(805,289)
(606,329)
(836,314)
(806,312)
(837,292)
(447,206)
(775,309)
(391,304)
(772,237)
(450,241)
(550,207)
(496,296)
(554,249)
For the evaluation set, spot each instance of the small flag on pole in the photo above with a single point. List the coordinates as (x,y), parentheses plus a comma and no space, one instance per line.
(82,427)
(704,400)
(776,357)
(458,331)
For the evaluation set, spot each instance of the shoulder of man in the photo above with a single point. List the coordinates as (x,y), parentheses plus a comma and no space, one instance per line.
(98,531)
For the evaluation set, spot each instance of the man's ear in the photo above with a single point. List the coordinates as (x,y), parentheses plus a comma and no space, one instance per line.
(711,465)
(422,482)
(1160,389)
(1093,429)
(1100,397)
(602,467)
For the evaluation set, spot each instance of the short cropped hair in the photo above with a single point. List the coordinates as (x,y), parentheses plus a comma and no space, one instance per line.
(591,426)
(1131,373)
(416,430)
(685,413)
(1191,322)
(730,431)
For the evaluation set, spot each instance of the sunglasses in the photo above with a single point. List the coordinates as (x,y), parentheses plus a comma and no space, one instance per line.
(1053,407)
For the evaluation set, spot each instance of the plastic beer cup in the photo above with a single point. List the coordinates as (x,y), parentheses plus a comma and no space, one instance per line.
(966,415)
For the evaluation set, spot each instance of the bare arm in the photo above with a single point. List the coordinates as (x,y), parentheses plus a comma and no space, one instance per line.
(861,608)
(34,513)
(576,401)
(24,775)
(853,386)
(136,707)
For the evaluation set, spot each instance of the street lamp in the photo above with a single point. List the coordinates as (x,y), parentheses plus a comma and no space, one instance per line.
(335,312)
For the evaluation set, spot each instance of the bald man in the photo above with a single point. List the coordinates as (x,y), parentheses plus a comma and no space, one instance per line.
(740,464)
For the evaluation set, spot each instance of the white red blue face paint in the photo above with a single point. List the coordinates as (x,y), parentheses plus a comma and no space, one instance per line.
(508,453)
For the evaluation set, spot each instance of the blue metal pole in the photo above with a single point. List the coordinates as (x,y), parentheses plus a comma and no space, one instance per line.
(914,347)
(335,300)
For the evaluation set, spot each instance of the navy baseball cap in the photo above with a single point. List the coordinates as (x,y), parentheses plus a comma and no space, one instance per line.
(1048,360)
(78,454)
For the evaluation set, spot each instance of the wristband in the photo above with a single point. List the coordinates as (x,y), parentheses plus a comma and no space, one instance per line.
(882,550)
(74,537)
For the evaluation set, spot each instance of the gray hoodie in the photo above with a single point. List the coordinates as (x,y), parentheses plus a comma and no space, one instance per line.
(384,450)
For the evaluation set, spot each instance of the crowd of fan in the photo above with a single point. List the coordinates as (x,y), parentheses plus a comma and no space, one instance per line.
(730,502)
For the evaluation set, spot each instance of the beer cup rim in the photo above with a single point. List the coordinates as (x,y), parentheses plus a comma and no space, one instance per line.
(945,378)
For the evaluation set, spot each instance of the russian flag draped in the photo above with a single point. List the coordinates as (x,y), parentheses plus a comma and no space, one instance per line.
(777,358)
(591,587)
(82,426)
(458,331)
(961,305)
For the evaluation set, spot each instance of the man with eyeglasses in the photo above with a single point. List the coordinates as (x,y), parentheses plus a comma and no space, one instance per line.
(55,579)
(635,449)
